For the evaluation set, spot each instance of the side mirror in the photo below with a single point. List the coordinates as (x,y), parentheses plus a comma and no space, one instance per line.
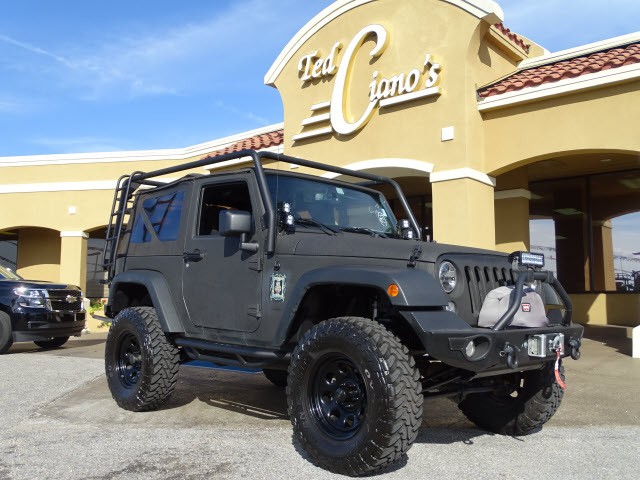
(237,222)
(234,222)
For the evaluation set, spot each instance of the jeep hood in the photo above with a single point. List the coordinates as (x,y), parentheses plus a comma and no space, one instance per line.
(354,245)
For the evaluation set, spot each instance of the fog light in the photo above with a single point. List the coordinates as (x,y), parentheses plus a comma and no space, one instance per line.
(470,349)
(451,307)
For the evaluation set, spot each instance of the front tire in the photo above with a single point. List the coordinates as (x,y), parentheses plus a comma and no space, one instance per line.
(533,398)
(55,342)
(6,334)
(354,396)
(140,363)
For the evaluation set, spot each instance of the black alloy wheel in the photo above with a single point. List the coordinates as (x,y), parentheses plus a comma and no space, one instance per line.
(129,360)
(338,396)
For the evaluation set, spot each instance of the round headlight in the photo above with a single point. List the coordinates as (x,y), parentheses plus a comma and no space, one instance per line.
(448,276)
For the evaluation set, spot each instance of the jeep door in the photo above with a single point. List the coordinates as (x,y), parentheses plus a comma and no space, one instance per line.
(220,282)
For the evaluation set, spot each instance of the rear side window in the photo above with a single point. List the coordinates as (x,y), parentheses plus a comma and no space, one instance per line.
(161,215)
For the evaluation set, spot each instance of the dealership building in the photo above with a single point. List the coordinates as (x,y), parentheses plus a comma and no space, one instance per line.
(490,136)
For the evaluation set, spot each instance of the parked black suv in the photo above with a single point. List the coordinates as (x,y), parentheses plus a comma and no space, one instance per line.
(41,312)
(316,282)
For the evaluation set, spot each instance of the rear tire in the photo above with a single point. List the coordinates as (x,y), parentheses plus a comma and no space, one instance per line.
(354,396)
(518,411)
(277,377)
(55,342)
(140,363)
(6,335)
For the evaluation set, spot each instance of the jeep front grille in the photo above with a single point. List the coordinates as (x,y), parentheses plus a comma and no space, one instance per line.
(481,280)
(65,300)
(478,274)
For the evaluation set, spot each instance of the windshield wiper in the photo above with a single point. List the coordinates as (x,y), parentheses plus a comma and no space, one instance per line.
(314,223)
(365,230)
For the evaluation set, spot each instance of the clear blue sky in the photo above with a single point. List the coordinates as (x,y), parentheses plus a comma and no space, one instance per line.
(80,75)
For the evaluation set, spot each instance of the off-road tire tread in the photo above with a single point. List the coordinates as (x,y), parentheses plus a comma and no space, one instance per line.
(159,379)
(542,397)
(397,430)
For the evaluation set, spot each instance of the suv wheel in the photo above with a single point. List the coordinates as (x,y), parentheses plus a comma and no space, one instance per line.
(277,377)
(141,364)
(528,400)
(354,396)
(52,342)
(6,336)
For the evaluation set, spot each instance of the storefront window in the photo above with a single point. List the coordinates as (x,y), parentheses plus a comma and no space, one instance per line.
(626,251)
(589,229)
(8,250)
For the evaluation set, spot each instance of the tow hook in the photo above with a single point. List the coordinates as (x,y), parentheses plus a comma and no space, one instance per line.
(511,352)
(575,348)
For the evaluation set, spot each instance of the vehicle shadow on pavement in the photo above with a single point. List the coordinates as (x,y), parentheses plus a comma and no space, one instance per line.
(391,468)
(249,395)
(448,436)
(610,336)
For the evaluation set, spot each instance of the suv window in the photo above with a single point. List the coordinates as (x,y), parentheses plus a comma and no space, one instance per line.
(219,197)
(163,214)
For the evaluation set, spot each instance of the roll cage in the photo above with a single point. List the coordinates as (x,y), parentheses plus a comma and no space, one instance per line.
(127,186)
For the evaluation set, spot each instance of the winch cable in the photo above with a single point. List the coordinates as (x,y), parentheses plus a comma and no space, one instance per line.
(559,348)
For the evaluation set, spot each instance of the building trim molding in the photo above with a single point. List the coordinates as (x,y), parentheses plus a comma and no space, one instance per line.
(136,155)
(562,87)
(460,173)
(93,185)
(58,186)
(407,163)
(79,234)
(515,193)
(580,51)
(487,10)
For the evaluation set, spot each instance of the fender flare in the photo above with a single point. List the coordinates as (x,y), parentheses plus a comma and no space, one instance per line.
(417,288)
(160,293)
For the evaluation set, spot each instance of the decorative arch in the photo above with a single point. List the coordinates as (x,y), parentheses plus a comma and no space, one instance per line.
(568,155)
(390,167)
(487,10)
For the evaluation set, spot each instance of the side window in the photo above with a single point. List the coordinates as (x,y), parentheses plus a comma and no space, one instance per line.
(163,214)
(215,199)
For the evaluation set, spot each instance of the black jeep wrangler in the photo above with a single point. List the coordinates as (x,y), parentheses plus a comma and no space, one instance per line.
(316,282)
(41,312)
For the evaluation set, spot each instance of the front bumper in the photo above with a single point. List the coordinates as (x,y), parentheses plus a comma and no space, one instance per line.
(445,335)
(28,327)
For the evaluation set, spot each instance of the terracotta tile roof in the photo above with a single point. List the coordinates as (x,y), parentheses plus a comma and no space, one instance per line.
(572,68)
(515,39)
(257,142)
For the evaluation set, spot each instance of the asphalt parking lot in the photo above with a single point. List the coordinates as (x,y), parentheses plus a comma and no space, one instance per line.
(58,421)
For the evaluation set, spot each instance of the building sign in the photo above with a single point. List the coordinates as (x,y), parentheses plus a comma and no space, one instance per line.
(419,82)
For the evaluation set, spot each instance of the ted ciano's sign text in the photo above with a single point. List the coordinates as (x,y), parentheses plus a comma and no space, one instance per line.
(420,82)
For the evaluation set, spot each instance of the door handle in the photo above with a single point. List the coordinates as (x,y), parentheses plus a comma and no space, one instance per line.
(194,256)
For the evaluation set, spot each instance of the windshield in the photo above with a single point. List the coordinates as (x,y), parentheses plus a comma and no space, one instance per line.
(336,206)
(6,274)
